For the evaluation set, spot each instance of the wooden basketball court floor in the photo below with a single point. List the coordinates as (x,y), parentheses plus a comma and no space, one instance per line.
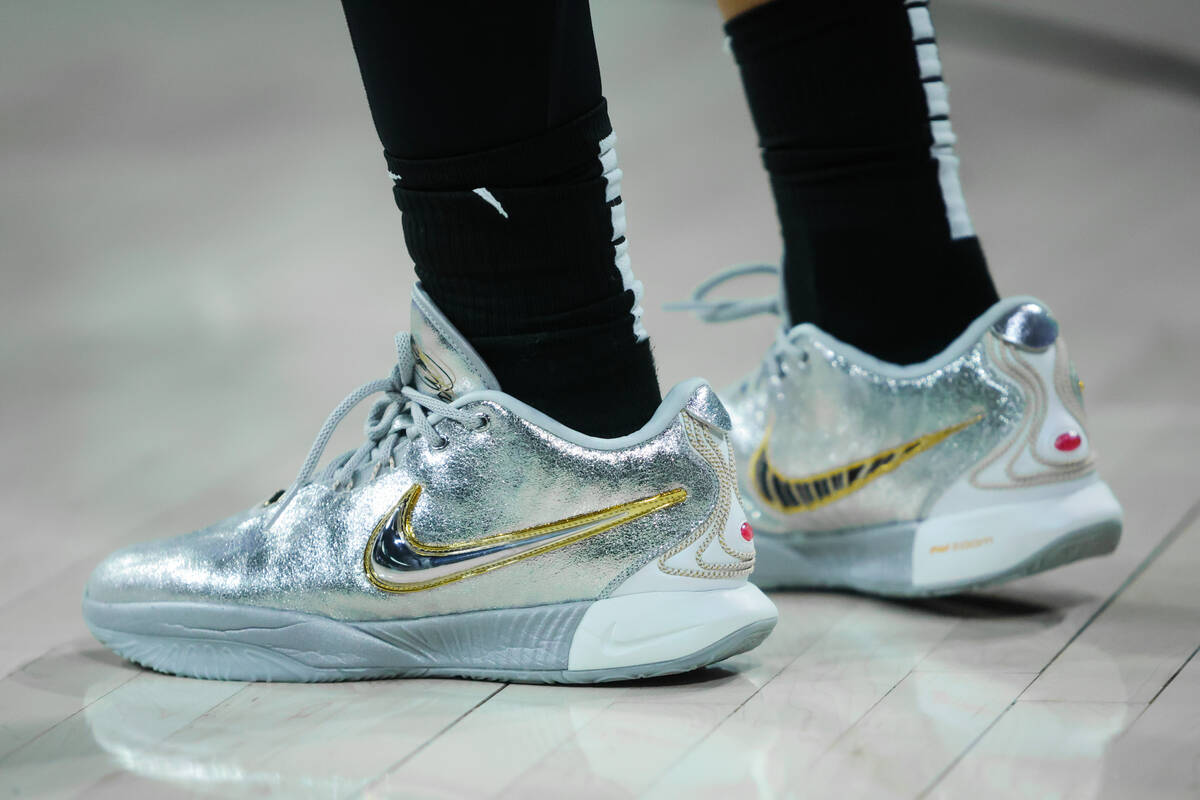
(200,257)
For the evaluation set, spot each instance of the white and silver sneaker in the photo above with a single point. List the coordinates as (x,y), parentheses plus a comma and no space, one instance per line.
(968,469)
(470,535)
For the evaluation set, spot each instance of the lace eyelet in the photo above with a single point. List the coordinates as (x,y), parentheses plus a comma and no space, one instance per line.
(442,445)
(484,421)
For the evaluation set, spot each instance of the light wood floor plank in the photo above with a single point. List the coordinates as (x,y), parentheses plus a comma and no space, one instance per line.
(324,740)
(1159,755)
(1140,641)
(1099,685)
(1040,749)
(902,743)
(73,754)
(52,688)
(529,737)
(769,743)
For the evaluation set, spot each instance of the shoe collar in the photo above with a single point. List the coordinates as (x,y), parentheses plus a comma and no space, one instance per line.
(447,366)
(1022,320)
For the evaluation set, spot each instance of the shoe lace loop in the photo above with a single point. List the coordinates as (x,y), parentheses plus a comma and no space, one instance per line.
(782,352)
(728,310)
(403,413)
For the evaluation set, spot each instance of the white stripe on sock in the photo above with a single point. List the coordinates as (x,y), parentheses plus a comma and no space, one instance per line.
(612,177)
(922,25)
(491,200)
(938,99)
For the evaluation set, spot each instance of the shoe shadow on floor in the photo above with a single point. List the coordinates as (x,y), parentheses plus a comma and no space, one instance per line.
(1046,605)
(708,676)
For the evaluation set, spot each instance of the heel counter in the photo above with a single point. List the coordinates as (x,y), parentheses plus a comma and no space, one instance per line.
(1050,445)
(1026,345)
(730,531)
(719,550)
(1052,442)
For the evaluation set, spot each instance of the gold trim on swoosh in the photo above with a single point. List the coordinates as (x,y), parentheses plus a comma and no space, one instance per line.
(793,495)
(607,519)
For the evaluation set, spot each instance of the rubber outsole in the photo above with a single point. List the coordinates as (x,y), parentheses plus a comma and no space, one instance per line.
(209,641)
(166,655)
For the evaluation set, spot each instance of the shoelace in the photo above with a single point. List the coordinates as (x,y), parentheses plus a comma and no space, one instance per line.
(729,310)
(781,353)
(397,416)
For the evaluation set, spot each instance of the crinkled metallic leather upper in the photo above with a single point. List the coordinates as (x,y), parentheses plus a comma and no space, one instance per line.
(510,475)
(829,412)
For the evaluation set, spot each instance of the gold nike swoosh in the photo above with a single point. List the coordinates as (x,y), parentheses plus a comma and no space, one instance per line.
(397,560)
(793,495)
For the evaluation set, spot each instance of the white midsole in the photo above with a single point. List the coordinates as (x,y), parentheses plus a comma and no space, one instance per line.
(970,544)
(650,627)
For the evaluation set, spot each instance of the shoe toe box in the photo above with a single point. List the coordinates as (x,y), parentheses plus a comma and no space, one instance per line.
(201,565)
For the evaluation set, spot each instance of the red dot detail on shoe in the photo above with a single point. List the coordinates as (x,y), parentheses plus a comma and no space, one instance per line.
(747,531)
(1068,441)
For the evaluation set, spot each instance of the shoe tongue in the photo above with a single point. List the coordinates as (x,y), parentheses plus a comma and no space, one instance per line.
(447,366)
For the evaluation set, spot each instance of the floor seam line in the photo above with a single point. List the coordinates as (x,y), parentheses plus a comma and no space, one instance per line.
(715,728)
(735,710)
(971,745)
(1185,522)
(420,748)
(861,717)
(1174,675)
(1189,516)
(121,685)
(68,717)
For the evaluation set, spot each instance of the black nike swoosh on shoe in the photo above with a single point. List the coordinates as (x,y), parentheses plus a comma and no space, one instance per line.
(792,495)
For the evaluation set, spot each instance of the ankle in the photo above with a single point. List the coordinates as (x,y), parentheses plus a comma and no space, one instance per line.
(598,380)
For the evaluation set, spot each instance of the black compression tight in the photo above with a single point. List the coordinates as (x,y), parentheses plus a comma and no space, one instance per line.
(502,101)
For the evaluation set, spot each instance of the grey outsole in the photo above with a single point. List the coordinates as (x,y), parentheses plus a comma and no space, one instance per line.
(1087,542)
(211,653)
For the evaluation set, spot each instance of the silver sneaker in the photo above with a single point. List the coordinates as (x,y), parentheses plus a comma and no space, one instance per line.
(968,469)
(470,535)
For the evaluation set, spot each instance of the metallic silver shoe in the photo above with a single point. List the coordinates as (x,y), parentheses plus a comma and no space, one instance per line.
(971,468)
(470,535)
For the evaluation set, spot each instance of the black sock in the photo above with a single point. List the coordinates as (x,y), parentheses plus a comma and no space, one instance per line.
(878,247)
(501,152)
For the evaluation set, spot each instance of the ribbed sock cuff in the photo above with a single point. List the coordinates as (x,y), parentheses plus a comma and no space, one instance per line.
(559,154)
(523,253)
